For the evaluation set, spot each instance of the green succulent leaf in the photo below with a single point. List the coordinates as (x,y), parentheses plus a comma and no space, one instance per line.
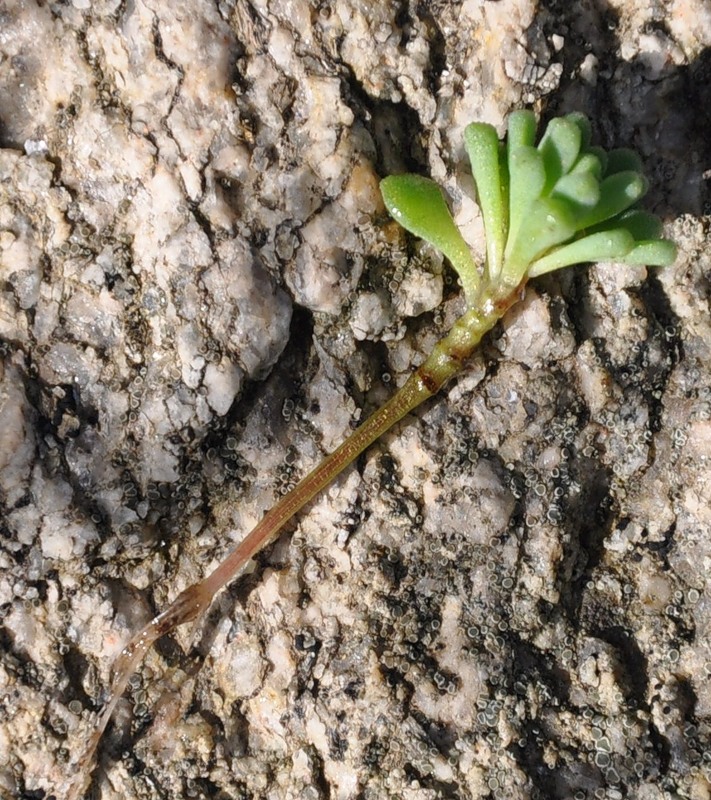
(617,193)
(606,245)
(527,177)
(583,124)
(521,131)
(418,205)
(560,147)
(482,145)
(641,224)
(655,253)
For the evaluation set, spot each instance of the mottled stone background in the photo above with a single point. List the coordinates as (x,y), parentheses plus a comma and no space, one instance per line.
(200,295)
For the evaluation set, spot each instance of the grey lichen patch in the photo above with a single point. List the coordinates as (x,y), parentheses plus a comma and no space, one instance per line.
(199,296)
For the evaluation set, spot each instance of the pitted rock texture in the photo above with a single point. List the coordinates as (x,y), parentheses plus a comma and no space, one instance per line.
(201,295)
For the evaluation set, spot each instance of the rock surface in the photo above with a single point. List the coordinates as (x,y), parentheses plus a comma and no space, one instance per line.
(201,294)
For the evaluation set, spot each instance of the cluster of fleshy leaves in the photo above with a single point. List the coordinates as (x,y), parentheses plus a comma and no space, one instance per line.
(544,206)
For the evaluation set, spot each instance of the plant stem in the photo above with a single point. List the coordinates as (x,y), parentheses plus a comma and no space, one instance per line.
(445,360)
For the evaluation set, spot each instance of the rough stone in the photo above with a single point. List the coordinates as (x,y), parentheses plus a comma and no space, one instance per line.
(201,295)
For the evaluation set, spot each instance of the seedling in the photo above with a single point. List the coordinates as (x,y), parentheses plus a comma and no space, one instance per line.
(545,206)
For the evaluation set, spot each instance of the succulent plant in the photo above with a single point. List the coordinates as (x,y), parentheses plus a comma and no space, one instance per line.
(544,207)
